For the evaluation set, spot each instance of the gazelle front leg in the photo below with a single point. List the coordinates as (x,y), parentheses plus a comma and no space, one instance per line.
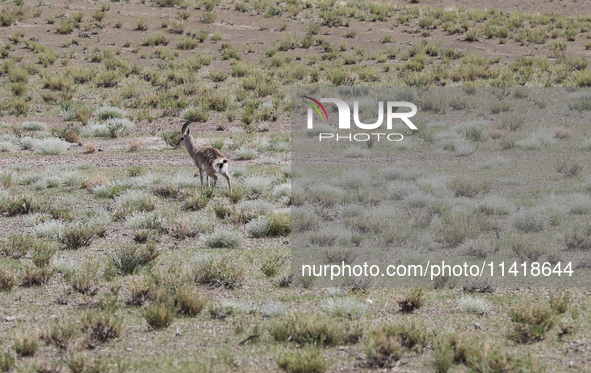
(201,176)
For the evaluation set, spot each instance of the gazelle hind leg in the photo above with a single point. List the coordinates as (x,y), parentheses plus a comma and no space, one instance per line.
(201,176)
(225,174)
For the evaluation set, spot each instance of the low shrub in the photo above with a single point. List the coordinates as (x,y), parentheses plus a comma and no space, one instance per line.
(76,235)
(17,246)
(159,315)
(108,112)
(467,186)
(52,146)
(19,205)
(26,344)
(412,301)
(189,301)
(272,265)
(532,322)
(223,238)
(345,307)
(303,361)
(131,259)
(219,272)
(34,126)
(386,345)
(578,238)
(312,330)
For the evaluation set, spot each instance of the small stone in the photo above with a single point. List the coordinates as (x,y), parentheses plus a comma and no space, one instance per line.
(477,325)
(571,364)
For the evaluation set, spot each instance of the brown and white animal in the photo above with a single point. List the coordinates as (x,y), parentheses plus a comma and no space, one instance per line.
(209,160)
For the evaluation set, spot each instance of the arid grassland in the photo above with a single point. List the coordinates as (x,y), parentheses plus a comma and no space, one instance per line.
(114,259)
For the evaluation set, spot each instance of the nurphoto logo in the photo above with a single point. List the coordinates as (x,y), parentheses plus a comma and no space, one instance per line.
(344,119)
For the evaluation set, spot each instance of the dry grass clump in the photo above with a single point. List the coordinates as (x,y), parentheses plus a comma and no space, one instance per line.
(309,329)
(133,201)
(388,344)
(26,344)
(469,186)
(196,203)
(78,363)
(101,327)
(219,272)
(498,133)
(17,246)
(479,285)
(308,360)
(63,334)
(512,122)
(19,205)
(564,134)
(532,322)
(527,248)
(478,305)
(159,315)
(272,225)
(456,227)
(135,144)
(131,259)
(142,290)
(83,279)
(530,220)
(560,301)
(36,276)
(412,301)
(273,265)
(189,226)
(223,238)
(477,355)
(571,167)
(189,301)
(76,235)
(95,180)
(480,247)
(7,361)
(8,279)
(578,238)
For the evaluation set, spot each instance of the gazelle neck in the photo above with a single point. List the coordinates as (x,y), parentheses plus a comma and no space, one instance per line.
(190,144)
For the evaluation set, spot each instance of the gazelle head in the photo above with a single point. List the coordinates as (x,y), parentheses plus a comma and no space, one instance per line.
(185,133)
